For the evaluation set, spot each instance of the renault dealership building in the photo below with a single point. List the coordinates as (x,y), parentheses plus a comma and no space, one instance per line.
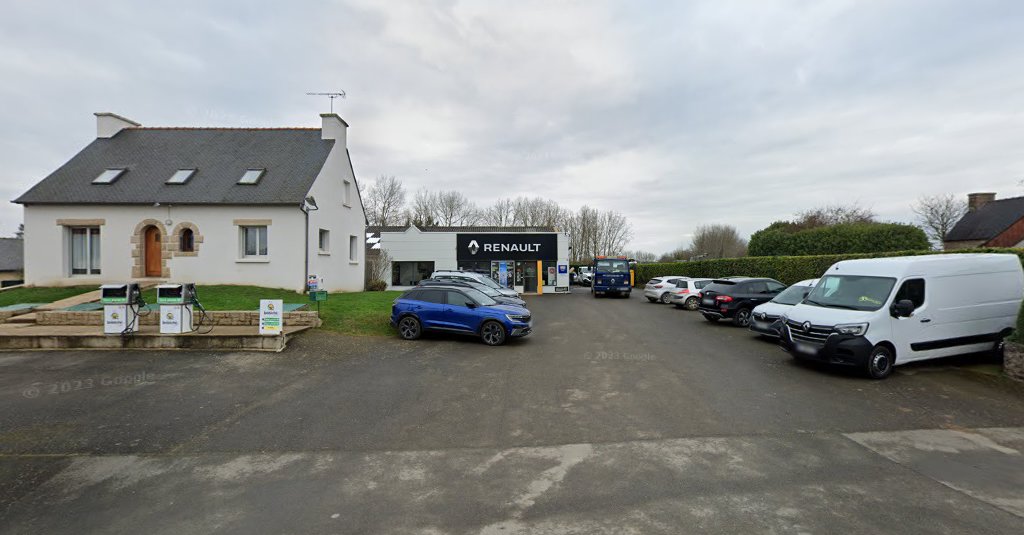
(528,259)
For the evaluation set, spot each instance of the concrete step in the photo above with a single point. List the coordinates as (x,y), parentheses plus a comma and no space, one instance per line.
(223,338)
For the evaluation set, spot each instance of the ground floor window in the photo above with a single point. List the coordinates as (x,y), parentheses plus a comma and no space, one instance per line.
(85,250)
(482,267)
(410,273)
(254,241)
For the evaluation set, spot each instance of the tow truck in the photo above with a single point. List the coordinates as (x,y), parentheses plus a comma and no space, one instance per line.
(612,275)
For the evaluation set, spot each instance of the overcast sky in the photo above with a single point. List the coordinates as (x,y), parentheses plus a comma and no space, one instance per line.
(707,112)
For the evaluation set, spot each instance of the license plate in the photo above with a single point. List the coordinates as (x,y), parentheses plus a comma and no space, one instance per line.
(805,349)
(761,324)
(709,301)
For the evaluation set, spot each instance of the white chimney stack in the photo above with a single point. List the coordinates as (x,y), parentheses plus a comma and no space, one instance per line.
(334,127)
(109,124)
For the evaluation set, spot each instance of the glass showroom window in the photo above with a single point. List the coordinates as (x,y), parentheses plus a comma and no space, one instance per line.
(85,250)
(254,242)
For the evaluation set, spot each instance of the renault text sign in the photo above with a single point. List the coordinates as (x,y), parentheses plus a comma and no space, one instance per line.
(507,246)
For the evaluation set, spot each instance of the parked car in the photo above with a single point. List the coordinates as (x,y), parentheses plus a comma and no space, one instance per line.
(874,314)
(765,318)
(487,290)
(461,310)
(660,288)
(687,293)
(735,298)
(585,276)
(470,276)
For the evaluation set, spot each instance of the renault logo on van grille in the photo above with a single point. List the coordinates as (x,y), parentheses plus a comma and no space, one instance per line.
(807,326)
(473,247)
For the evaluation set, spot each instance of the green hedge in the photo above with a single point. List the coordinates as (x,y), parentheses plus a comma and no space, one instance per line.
(786,269)
(864,238)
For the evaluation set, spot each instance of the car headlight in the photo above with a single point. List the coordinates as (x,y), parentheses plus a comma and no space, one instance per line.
(855,329)
(518,317)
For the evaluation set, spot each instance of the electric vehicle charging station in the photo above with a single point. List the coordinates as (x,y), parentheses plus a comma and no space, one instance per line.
(120,307)
(175,302)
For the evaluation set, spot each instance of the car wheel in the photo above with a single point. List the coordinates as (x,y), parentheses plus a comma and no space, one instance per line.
(880,362)
(691,303)
(712,319)
(742,318)
(665,298)
(409,328)
(492,333)
(651,299)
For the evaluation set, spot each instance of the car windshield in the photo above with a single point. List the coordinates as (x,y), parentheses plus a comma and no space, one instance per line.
(720,287)
(612,266)
(479,297)
(487,281)
(851,292)
(487,290)
(792,295)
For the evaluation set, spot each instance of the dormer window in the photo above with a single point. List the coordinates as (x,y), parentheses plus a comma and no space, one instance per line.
(181,176)
(251,176)
(108,176)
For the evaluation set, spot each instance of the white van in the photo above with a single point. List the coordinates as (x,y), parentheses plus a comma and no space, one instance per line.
(881,312)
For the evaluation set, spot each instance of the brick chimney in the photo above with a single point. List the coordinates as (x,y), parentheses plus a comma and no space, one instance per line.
(977,200)
(109,124)
(334,127)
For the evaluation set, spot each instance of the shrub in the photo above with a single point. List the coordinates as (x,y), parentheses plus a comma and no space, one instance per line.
(785,269)
(376,286)
(782,240)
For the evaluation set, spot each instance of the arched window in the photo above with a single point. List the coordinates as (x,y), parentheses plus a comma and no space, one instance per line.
(187,241)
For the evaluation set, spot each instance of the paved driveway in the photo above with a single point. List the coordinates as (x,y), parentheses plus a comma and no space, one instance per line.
(617,416)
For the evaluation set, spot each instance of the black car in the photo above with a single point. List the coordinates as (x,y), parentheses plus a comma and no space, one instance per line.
(734,298)
(487,290)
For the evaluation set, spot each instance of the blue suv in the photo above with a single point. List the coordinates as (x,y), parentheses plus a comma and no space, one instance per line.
(458,310)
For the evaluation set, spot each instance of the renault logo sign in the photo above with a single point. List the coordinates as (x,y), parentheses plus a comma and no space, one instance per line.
(473,247)
(807,326)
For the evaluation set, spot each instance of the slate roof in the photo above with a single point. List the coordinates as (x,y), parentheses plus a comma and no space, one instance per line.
(292,158)
(988,221)
(403,228)
(12,252)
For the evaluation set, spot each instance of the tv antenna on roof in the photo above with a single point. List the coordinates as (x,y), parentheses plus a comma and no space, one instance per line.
(332,96)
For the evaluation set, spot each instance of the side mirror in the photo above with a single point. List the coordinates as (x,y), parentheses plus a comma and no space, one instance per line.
(902,309)
(471,304)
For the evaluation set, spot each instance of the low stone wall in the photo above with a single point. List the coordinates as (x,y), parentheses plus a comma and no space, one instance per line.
(218,317)
(8,314)
(1013,361)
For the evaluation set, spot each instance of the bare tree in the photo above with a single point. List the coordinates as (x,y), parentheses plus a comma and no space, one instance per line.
(378,266)
(679,254)
(642,256)
(834,214)
(454,209)
(422,211)
(21,231)
(938,214)
(718,241)
(385,201)
(498,214)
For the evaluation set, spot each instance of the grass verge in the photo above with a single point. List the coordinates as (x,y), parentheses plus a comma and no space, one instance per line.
(42,295)
(356,313)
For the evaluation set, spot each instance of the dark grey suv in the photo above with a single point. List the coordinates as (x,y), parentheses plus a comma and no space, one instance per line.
(735,298)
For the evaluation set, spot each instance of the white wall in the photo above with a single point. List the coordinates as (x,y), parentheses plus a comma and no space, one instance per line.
(338,272)
(217,261)
(415,246)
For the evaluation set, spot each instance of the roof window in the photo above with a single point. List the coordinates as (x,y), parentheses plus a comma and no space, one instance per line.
(251,176)
(108,176)
(181,176)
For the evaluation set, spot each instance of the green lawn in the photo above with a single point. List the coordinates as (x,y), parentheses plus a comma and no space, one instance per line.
(357,313)
(41,295)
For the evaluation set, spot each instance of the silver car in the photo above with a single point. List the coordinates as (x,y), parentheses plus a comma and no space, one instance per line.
(686,293)
(659,288)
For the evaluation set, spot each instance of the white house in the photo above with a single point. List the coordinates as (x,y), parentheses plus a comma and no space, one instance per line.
(205,205)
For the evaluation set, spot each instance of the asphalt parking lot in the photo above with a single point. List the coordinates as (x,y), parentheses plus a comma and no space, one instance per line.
(616,416)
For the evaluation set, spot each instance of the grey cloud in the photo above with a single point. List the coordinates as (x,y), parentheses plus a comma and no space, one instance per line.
(675,115)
